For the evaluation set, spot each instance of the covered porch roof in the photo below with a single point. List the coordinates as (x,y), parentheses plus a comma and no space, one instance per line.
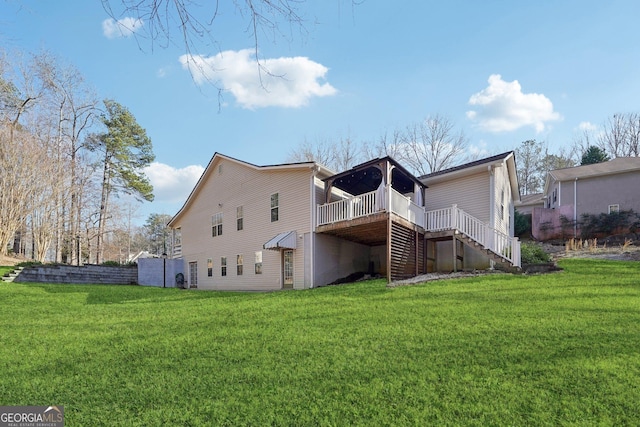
(368,176)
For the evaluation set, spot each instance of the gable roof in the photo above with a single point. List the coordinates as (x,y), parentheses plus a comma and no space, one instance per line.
(476,166)
(531,199)
(468,166)
(612,167)
(217,157)
(617,165)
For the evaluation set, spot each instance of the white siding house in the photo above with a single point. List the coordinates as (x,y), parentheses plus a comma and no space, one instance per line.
(237,208)
(299,225)
(486,189)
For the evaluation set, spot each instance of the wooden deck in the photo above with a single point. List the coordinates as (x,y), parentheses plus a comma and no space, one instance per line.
(410,237)
(369,230)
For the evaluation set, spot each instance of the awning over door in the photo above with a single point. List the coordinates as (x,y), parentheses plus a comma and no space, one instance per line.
(286,240)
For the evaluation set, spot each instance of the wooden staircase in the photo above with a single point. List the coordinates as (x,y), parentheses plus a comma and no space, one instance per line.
(501,248)
(500,262)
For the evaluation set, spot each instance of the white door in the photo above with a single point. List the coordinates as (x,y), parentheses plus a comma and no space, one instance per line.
(287,269)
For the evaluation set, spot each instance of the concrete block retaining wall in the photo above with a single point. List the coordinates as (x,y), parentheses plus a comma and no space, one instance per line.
(86,274)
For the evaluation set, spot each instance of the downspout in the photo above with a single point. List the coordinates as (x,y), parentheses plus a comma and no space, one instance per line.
(313,227)
(575,208)
(492,195)
(559,193)
(492,210)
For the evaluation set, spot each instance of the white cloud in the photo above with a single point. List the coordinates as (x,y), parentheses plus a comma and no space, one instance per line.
(124,27)
(282,82)
(503,107)
(171,184)
(587,127)
(479,150)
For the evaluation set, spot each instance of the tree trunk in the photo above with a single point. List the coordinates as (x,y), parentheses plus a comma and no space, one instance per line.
(102,216)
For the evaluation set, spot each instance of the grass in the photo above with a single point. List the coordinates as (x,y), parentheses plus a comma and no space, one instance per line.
(5,270)
(561,349)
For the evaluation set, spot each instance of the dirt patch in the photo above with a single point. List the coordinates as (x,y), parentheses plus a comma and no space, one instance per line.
(9,260)
(430,277)
(620,252)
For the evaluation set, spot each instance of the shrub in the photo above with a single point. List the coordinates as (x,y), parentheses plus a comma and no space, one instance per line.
(531,253)
(27,264)
(522,224)
(606,224)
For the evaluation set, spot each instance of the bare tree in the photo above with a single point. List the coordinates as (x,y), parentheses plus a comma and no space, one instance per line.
(433,145)
(633,135)
(43,213)
(614,136)
(21,158)
(529,157)
(76,106)
(424,147)
(386,145)
(19,151)
(189,23)
(320,151)
(336,155)
(346,154)
(581,143)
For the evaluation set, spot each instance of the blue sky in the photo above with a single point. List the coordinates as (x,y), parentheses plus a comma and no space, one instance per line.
(503,71)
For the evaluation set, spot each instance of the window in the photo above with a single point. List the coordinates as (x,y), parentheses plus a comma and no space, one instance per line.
(239,265)
(193,273)
(555,195)
(216,227)
(239,218)
(274,207)
(259,262)
(223,266)
(614,209)
(209,267)
(502,204)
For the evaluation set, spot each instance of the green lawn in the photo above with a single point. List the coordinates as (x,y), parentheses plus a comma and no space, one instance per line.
(5,270)
(560,349)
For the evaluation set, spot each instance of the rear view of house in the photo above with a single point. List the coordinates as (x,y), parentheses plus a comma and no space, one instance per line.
(299,225)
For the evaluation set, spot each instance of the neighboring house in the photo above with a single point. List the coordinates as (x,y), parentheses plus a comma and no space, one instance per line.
(528,202)
(590,189)
(141,255)
(299,225)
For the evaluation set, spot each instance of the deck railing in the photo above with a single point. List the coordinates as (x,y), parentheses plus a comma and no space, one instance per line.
(177,251)
(350,208)
(445,219)
(403,206)
(496,241)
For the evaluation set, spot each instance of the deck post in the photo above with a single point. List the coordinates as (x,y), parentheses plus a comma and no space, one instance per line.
(455,255)
(389,231)
(417,253)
